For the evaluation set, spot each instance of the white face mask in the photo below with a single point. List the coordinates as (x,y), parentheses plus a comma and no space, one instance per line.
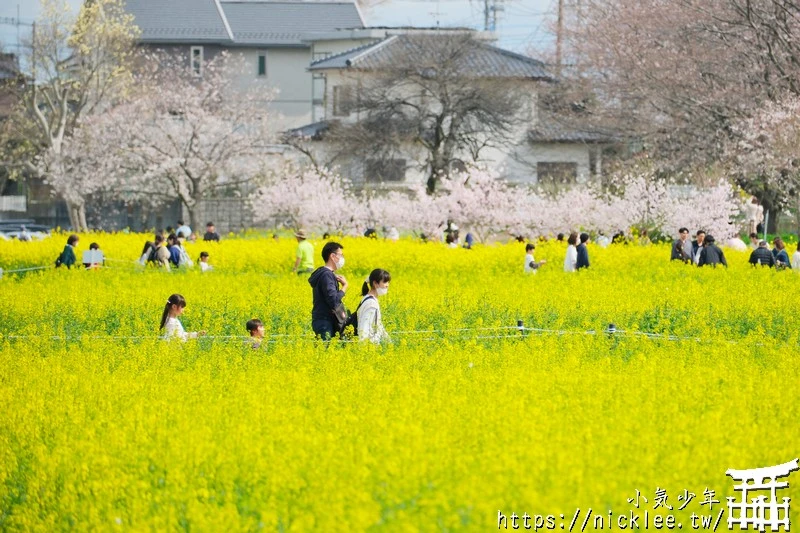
(340,263)
(381,291)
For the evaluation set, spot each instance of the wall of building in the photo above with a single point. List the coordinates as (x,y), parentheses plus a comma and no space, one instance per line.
(521,162)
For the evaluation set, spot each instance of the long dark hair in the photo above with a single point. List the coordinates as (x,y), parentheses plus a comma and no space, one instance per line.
(573,239)
(175,299)
(376,276)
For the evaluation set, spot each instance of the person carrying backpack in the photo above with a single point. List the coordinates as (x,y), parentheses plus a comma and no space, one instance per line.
(328,315)
(155,253)
(368,315)
(67,256)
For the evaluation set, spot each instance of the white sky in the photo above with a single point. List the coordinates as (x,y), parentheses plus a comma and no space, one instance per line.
(523,26)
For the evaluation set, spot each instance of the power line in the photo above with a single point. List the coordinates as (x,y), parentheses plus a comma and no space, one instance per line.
(14,21)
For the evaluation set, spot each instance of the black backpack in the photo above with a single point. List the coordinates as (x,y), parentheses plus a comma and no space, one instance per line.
(353,318)
(152,255)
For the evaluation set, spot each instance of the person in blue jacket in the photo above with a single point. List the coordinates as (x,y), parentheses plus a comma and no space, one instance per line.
(174,249)
(328,289)
(780,254)
(583,252)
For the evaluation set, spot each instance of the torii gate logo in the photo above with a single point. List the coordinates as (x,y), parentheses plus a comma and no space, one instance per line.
(760,512)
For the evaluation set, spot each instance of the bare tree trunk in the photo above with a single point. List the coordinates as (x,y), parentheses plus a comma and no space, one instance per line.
(192,212)
(772,223)
(77,216)
(439,164)
(4,179)
(82,217)
(430,186)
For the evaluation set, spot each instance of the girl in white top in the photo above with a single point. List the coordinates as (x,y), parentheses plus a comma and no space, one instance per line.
(571,261)
(531,266)
(170,323)
(796,258)
(204,266)
(370,325)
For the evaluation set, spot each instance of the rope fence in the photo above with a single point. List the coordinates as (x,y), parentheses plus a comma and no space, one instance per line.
(520,329)
(503,332)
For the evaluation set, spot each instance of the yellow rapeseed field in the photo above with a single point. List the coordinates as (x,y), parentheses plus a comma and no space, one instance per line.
(460,421)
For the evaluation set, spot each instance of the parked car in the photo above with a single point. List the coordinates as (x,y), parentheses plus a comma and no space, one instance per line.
(24,230)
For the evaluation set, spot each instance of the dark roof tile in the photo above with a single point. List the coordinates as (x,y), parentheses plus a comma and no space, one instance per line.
(485,61)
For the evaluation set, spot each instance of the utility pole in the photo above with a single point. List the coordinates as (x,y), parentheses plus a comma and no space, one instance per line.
(559,35)
(17,22)
(490,9)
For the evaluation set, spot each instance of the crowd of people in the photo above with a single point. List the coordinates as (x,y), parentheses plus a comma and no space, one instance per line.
(703,251)
(329,316)
(169,252)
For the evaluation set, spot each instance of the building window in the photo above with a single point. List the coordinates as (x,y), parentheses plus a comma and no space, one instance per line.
(342,100)
(380,170)
(262,63)
(556,173)
(196,58)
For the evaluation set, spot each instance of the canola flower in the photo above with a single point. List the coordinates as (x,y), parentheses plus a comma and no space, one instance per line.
(106,427)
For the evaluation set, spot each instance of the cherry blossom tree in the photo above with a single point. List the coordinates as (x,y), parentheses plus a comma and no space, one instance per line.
(489,207)
(81,166)
(414,210)
(191,137)
(78,66)
(481,200)
(713,209)
(764,153)
(308,198)
(678,75)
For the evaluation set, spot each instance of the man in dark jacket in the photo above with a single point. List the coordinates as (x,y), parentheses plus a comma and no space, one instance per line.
(325,288)
(211,233)
(697,246)
(583,253)
(711,254)
(762,255)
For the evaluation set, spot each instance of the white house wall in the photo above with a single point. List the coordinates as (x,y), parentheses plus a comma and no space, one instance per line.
(517,159)
(520,163)
(286,73)
(516,163)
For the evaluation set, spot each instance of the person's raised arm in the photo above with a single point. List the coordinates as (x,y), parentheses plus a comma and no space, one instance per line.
(333,296)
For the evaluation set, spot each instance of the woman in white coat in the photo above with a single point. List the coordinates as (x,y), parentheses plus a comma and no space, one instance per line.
(370,324)
(571,261)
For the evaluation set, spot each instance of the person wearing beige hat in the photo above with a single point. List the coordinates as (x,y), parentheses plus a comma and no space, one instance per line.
(304,261)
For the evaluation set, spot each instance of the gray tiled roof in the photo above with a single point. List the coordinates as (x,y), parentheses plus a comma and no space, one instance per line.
(485,61)
(251,22)
(551,132)
(287,23)
(179,20)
